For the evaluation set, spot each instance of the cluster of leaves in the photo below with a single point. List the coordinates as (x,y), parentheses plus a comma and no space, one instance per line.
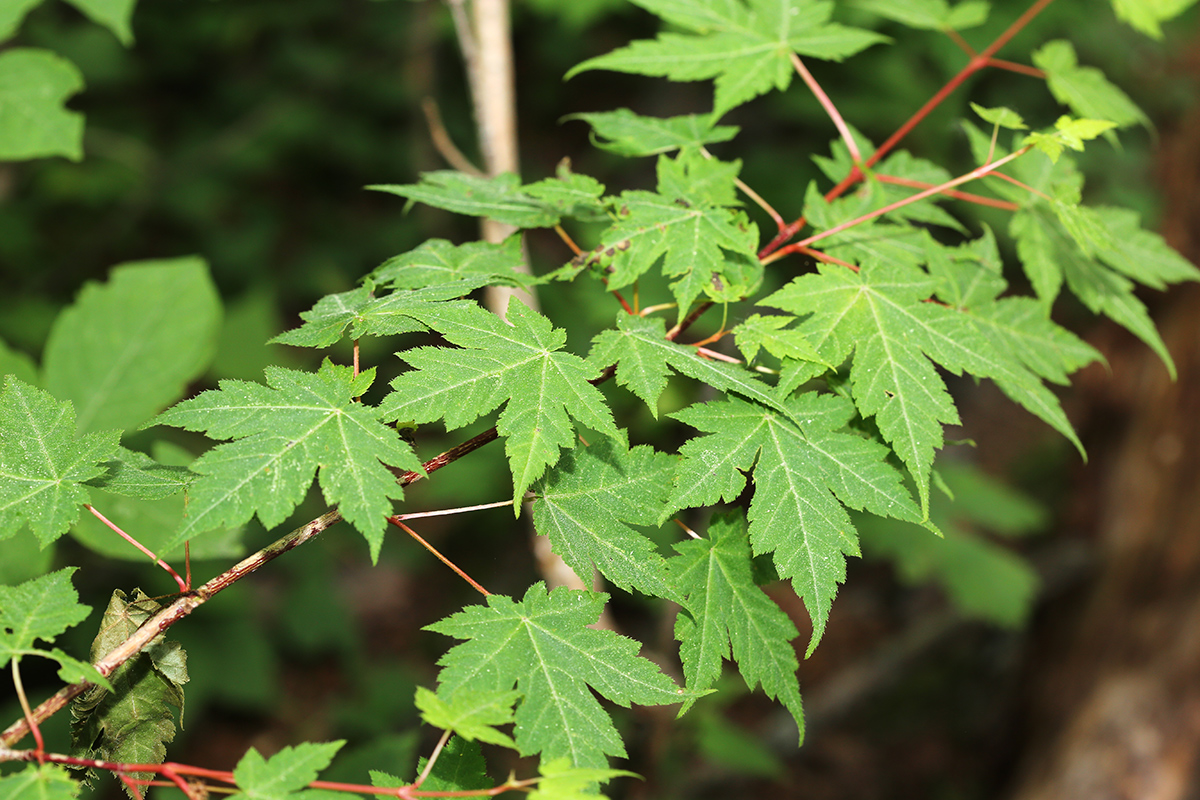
(828,424)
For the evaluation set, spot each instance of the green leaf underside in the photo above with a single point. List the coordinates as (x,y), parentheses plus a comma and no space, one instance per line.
(34,123)
(542,646)
(127,349)
(299,424)
(437,262)
(803,475)
(642,354)
(588,503)
(133,722)
(726,609)
(687,224)
(133,474)
(518,365)
(633,135)
(500,198)
(746,48)
(284,775)
(43,463)
(880,315)
(471,714)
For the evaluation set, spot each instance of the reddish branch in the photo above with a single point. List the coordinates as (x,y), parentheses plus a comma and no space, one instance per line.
(188,602)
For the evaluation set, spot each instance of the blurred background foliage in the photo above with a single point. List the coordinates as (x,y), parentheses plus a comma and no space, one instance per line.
(245,133)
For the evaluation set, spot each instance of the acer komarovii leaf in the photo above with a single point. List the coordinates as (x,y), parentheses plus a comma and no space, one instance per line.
(300,423)
(542,646)
(42,608)
(284,775)
(724,607)
(517,364)
(43,462)
(803,475)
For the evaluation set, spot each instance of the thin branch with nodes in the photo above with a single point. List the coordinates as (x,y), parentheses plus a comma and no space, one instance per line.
(976,63)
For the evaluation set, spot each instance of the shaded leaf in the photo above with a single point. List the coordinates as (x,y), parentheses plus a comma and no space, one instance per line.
(471,714)
(628,134)
(34,87)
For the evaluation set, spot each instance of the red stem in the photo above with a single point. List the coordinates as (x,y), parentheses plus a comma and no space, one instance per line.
(400,524)
(976,63)
(183,585)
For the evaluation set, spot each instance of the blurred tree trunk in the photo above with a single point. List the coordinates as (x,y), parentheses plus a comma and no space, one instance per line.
(1114,703)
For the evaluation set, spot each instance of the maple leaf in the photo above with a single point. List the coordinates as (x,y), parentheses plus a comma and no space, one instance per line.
(879,314)
(726,609)
(629,134)
(934,15)
(43,463)
(561,781)
(516,364)
(587,504)
(284,775)
(1084,90)
(39,782)
(437,262)
(709,247)
(642,353)
(299,424)
(470,714)
(34,87)
(460,767)
(543,646)
(42,608)
(747,48)
(803,474)
(502,197)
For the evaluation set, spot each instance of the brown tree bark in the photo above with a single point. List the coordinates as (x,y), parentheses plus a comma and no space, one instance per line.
(1115,698)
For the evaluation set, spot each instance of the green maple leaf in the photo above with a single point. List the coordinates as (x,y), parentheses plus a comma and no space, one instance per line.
(543,646)
(34,122)
(880,315)
(39,782)
(643,355)
(134,474)
(284,775)
(803,475)
(359,313)
(43,463)
(1084,90)
(746,48)
(935,15)
(460,767)
(1097,252)
(629,134)
(726,609)
(587,504)
(501,198)
(708,247)
(300,423)
(469,713)
(437,262)
(516,364)
(42,608)
(561,781)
